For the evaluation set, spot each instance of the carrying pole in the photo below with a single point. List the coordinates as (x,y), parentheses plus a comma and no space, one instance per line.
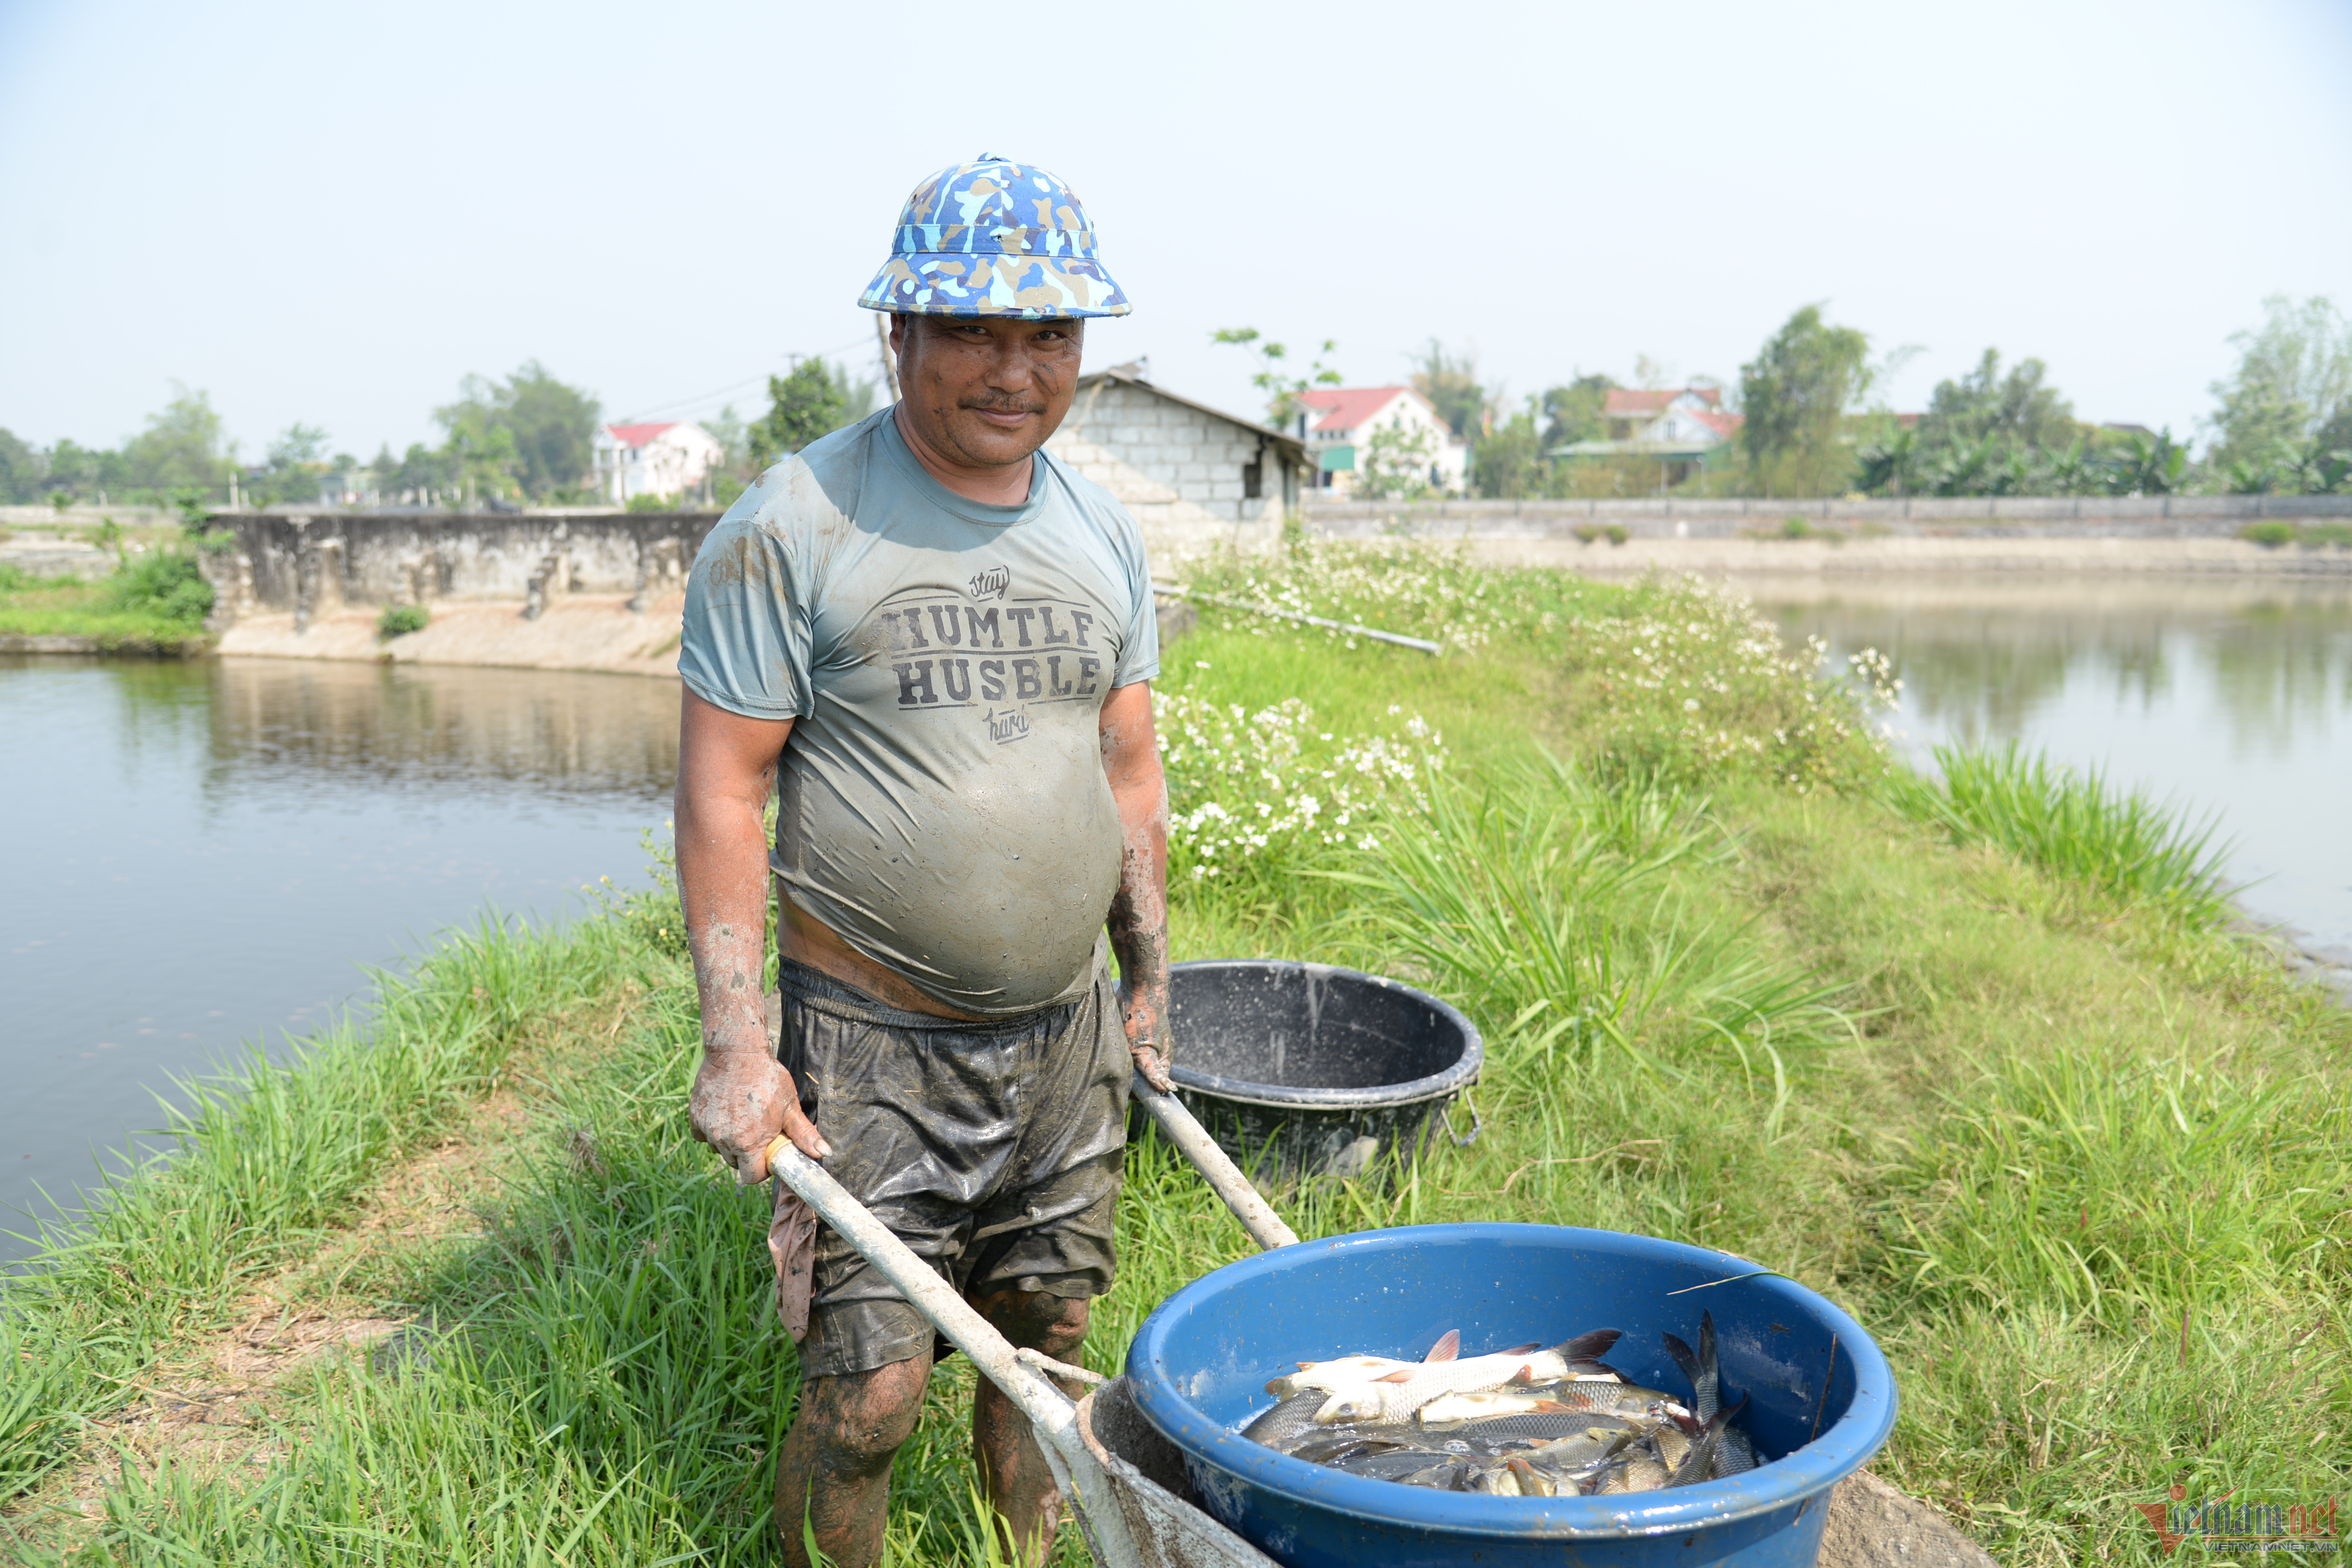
(1193,1141)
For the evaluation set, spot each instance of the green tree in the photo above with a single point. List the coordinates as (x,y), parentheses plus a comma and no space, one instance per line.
(2019,409)
(1576,412)
(181,445)
(1990,433)
(1394,463)
(1795,394)
(292,468)
(1508,463)
(2291,394)
(422,475)
(77,471)
(808,401)
(1450,385)
(1284,389)
(480,449)
(530,435)
(554,429)
(21,469)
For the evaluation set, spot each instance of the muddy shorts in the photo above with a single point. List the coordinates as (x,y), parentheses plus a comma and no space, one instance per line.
(991,1149)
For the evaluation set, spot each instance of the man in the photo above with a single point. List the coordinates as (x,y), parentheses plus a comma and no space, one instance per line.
(939,642)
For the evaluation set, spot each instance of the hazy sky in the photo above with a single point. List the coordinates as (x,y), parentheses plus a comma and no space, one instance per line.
(332,213)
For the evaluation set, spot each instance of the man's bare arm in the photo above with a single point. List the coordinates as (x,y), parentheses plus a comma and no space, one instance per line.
(1139,913)
(742,1096)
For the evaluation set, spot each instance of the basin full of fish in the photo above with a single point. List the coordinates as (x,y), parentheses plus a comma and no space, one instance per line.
(1530,1421)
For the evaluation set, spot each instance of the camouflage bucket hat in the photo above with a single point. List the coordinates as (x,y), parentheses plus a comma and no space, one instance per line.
(993,238)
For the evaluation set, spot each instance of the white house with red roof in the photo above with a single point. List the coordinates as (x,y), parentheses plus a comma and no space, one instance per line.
(1690,416)
(668,459)
(1682,430)
(1342,421)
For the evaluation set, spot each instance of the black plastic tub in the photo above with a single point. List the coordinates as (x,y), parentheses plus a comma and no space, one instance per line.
(1302,1070)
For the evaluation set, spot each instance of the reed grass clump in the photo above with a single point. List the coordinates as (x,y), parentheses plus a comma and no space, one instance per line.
(2122,845)
(2128,1186)
(1540,898)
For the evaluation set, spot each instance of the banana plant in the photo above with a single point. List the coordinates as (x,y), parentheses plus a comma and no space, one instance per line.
(2318,471)
(2077,471)
(2157,468)
(1890,468)
(1961,473)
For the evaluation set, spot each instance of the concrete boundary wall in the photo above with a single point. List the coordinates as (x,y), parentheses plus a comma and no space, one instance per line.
(314,563)
(1668,517)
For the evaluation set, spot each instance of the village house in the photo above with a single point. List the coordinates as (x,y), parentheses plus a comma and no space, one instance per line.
(1340,422)
(1191,474)
(672,459)
(1682,430)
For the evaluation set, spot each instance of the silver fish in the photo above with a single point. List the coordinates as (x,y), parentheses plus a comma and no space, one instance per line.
(1734,1453)
(1283,1426)
(1398,1395)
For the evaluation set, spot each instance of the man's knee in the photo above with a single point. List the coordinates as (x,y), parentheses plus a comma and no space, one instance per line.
(863,1418)
(1037,1319)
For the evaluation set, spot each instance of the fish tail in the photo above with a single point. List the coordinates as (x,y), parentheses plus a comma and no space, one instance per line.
(1586,1347)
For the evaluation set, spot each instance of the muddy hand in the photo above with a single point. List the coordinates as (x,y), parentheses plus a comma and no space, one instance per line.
(1143,1012)
(741,1101)
(1148,1062)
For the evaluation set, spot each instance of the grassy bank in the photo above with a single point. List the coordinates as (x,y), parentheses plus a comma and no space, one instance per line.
(154,603)
(1974,1060)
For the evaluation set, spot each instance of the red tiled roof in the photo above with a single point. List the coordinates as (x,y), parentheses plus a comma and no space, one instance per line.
(1721,424)
(1345,407)
(1630,402)
(637,435)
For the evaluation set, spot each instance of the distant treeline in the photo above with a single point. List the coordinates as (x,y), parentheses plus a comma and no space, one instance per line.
(1813,422)
(528,440)
(525,439)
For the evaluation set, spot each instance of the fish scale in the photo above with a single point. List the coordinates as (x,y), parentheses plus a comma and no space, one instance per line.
(1399,1394)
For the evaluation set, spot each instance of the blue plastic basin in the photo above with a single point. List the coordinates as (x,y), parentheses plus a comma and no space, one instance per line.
(1199,1366)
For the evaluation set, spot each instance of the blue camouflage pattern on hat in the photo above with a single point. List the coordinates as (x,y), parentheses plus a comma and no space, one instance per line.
(993,238)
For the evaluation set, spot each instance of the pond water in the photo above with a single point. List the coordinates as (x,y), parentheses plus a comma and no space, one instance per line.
(2232,696)
(200,854)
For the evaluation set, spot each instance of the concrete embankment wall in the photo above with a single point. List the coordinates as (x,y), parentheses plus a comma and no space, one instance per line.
(533,590)
(1747,537)
(309,564)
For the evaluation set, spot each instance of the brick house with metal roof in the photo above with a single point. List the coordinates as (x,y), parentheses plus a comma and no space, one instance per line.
(1191,474)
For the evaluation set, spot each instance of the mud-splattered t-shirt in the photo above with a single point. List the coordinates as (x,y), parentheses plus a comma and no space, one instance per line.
(944,806)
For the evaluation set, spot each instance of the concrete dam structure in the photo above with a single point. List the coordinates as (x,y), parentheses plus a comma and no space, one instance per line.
(549,590)
(309,564)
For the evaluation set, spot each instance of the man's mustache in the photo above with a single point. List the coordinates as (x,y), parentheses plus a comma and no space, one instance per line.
(1004,404)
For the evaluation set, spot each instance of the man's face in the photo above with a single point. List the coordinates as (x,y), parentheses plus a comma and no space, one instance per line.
(986,392)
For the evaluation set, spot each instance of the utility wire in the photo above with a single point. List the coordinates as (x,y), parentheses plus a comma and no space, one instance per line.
(677,403)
